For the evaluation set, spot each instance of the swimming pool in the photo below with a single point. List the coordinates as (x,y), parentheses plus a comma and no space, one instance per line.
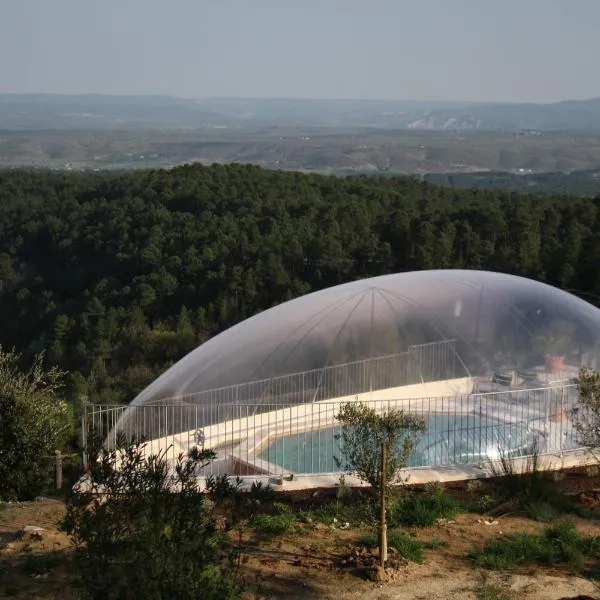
(448,440)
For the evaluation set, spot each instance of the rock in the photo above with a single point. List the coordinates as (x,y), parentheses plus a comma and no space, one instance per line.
(31,529)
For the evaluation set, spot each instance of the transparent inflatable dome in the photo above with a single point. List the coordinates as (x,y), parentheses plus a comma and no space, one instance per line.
(487,359)
(386,331)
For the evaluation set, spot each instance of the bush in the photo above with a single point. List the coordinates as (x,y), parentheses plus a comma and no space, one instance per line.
(143,530)
(34,422)
(424,509)
(560,544)
(284,522)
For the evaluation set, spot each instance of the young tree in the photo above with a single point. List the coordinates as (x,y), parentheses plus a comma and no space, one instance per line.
(34,422)
(143,529)
(376,447)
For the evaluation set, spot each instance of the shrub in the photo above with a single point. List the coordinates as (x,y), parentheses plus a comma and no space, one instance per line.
(281,523)
(142,529)
(559,544)
(34,422)
(424,509)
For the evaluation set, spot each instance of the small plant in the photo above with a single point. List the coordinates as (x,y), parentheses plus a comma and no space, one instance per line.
(407,546)
(282,523)
(424,509)
(527,480)
(342,488)
(559,544)
(222,488)
(532,487)
(261,492)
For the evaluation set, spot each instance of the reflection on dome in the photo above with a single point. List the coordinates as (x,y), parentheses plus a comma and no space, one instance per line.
(425,334)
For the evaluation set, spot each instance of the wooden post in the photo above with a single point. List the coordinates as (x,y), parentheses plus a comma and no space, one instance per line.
(58,469)
(383,547)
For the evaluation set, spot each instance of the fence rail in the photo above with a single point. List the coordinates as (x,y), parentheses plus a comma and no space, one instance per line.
(271,438)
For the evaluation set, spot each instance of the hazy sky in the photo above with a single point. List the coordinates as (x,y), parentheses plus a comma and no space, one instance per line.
(538,50)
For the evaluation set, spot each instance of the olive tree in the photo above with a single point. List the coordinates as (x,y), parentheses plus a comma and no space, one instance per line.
(376,447)
(34,422)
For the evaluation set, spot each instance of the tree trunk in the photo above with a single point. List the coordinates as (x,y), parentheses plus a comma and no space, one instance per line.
(383,548)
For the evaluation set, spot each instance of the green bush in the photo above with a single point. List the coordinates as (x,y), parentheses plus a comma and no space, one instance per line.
(34,422)
(284,522)
(423,509)
(559,544)
(143,530)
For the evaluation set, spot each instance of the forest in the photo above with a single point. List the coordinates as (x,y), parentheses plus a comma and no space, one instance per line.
(116,276)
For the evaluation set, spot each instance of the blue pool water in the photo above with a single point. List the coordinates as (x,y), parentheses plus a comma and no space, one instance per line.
(448,440)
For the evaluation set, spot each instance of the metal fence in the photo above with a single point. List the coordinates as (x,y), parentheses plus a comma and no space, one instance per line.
(421,363)
(274,438)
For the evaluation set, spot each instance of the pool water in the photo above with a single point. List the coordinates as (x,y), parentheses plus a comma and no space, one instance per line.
(448,440)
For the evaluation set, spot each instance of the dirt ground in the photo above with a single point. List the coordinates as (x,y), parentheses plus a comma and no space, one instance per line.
(304,566)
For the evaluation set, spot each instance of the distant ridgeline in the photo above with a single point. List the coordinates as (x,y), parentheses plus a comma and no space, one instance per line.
(576,183)
(116,277)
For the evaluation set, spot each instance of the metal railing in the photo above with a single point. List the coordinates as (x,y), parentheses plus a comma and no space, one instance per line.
(271,438)
(421,363)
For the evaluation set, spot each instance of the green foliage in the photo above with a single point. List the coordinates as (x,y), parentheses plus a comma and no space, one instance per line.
(119,275)
(34,422)
(281,523)
(586,416)
(353,509)
(364,430)
(423,509)
(524,480)
(143,529)
(407,546)
(560,544)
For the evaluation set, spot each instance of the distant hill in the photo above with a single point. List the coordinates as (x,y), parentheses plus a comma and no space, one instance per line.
(570,115)
(103,112)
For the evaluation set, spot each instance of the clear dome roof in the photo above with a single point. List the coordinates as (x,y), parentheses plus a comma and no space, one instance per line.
(451,323)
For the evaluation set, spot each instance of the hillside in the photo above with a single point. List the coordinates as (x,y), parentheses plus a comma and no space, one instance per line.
(325,150)
(102,112)
(117,276)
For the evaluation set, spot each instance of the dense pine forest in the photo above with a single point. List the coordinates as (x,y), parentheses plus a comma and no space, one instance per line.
(117,276)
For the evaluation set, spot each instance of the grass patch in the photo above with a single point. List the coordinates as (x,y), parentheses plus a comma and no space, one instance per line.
(556,545)
(423,509)
(359,512)
(531,486)
(407,546)
(281,523)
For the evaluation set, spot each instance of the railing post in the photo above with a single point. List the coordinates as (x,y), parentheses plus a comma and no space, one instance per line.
(58,469)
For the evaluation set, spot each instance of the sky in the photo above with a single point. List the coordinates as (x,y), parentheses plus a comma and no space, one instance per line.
(476,50)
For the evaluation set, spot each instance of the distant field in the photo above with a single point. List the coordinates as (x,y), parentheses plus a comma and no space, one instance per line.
(325,149)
